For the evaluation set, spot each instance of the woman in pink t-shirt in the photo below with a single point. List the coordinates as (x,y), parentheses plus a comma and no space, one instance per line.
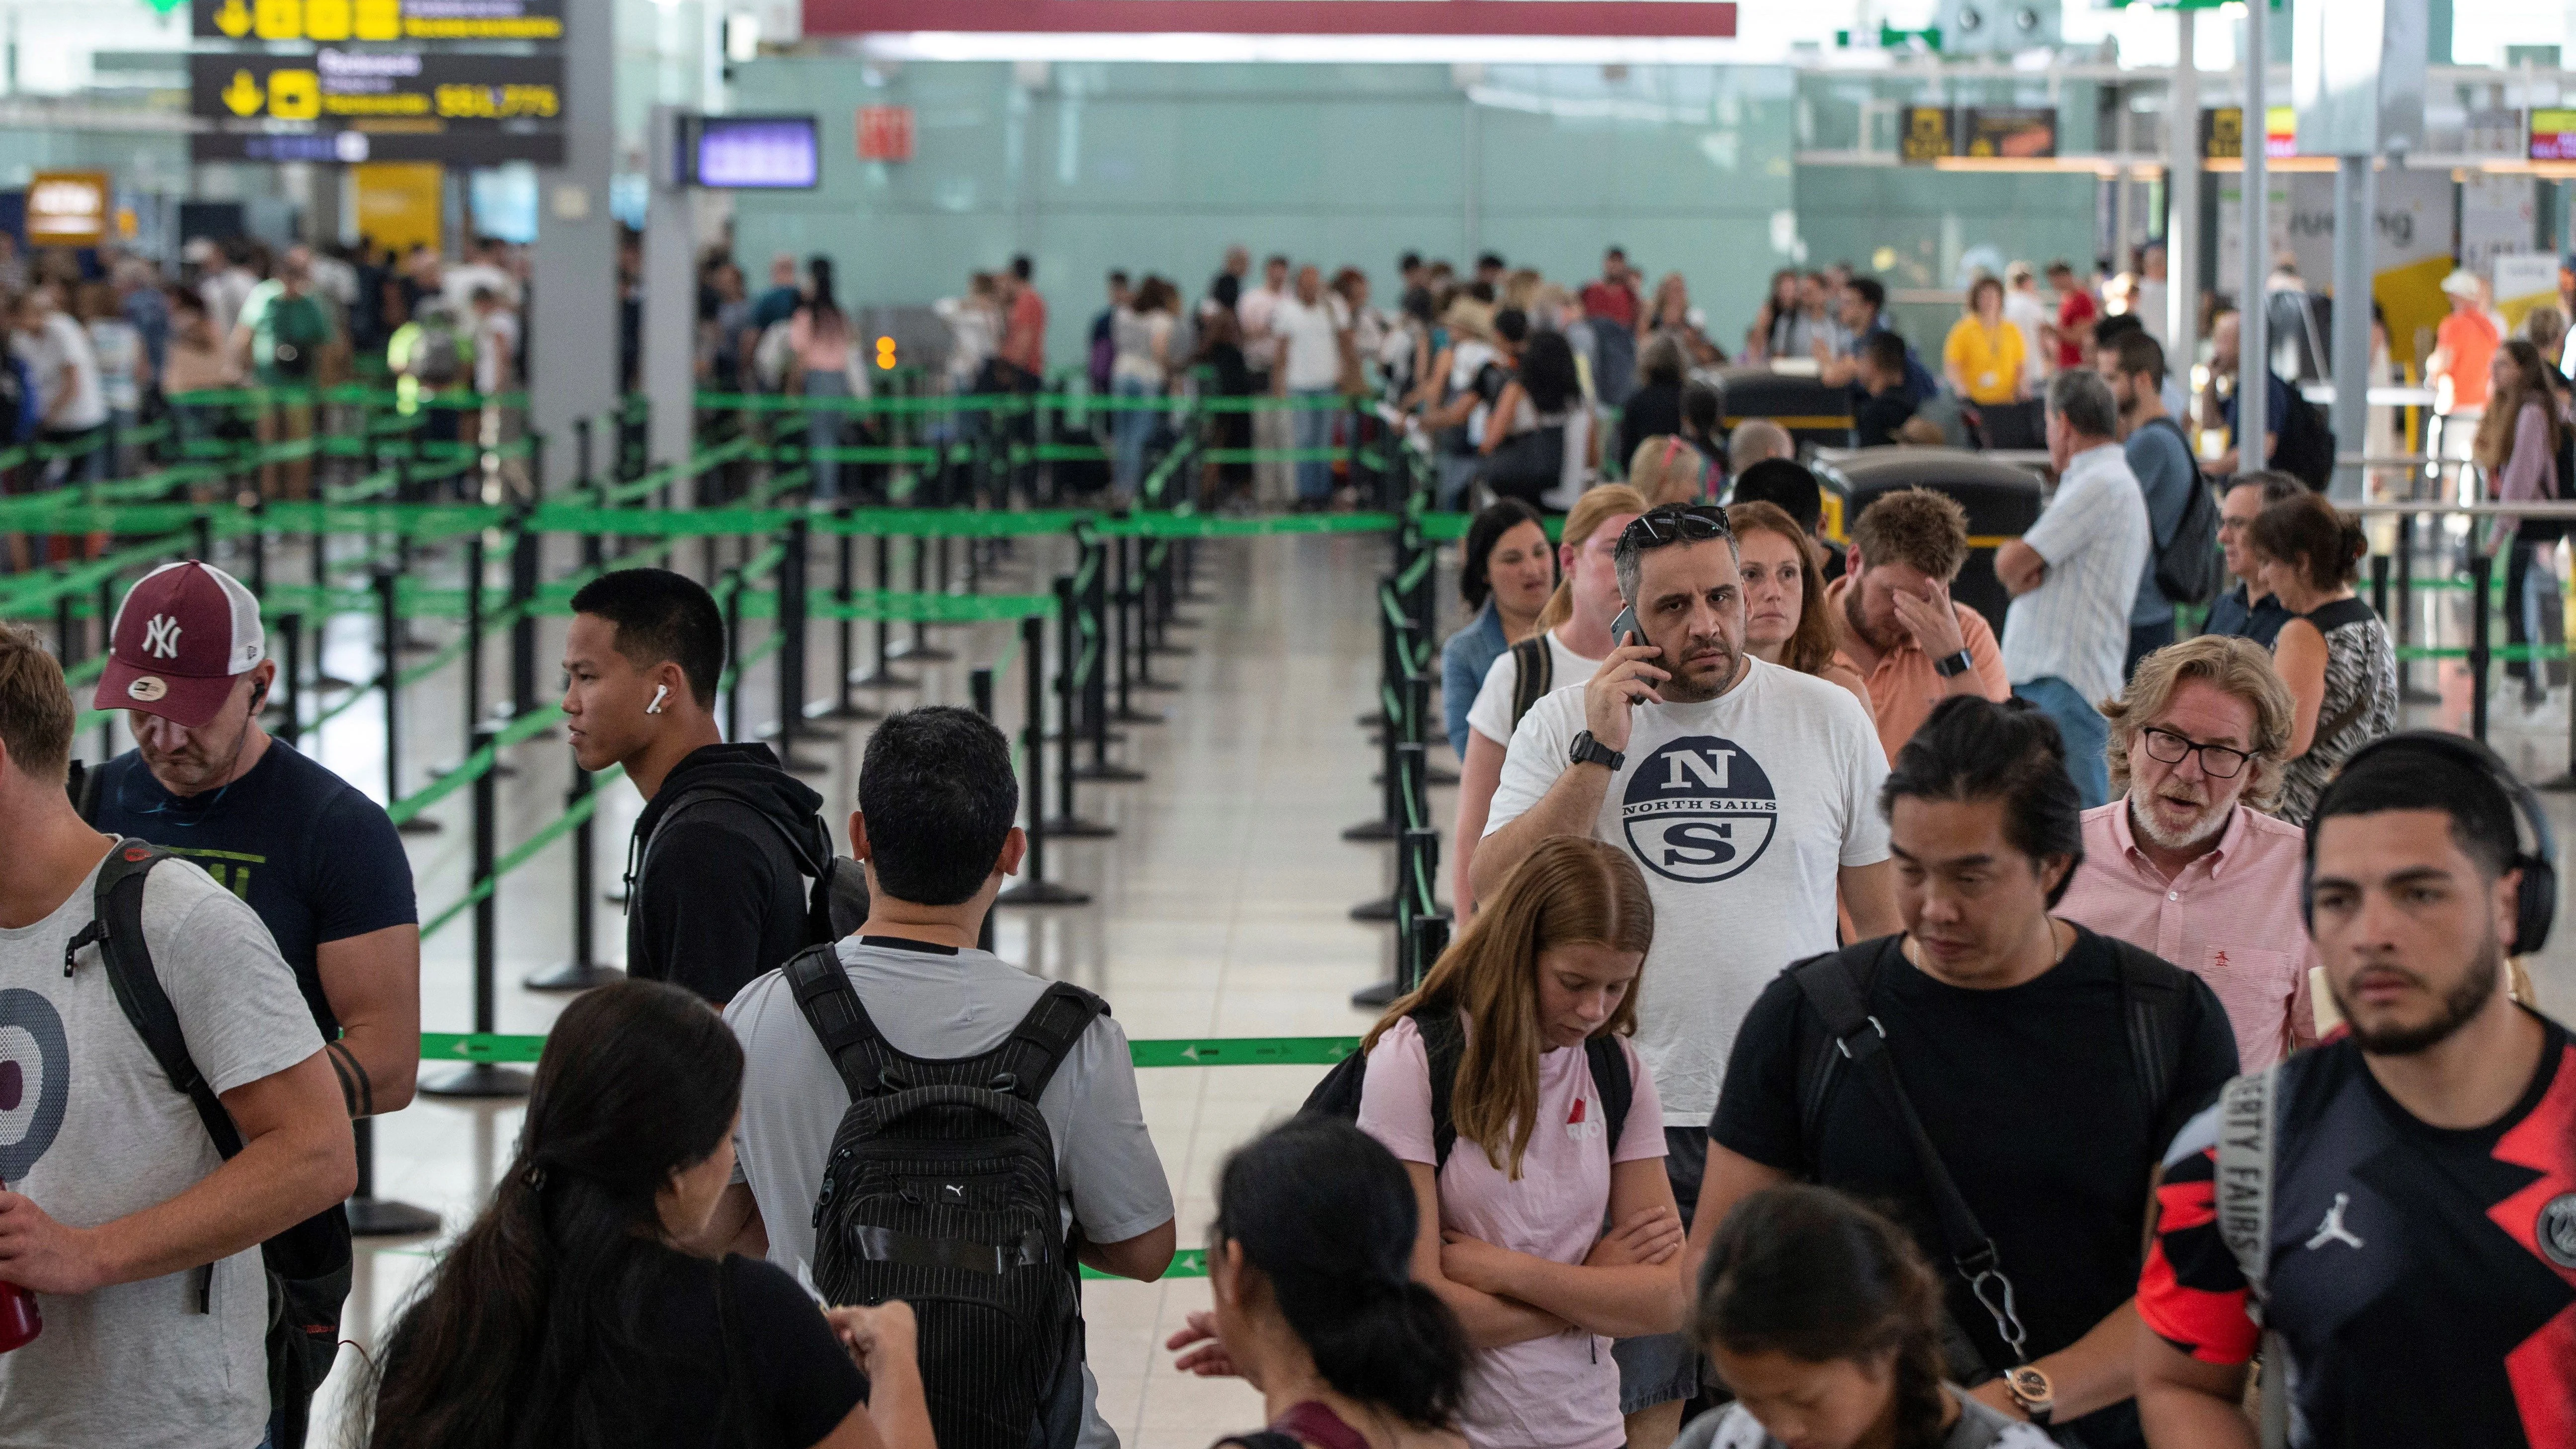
(1511,1235)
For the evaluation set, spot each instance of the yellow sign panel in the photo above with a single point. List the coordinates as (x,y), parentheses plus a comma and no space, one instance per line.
(339,20)
(278,19)
(294,95)
(326,19)
(67,208)
(398,204)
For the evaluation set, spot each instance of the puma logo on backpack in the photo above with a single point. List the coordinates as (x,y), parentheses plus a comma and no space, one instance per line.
(941,1190)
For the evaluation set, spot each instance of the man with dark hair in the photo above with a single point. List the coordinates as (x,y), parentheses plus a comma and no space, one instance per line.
(2073,577)
(1864,319)
(1895,623)
(1743,789)
(1790,485)
(1886,402)
(1490,268)
(933,827)
(718,863)
(138,1233)
(2161,456)
(2399,1204)
(2045,1064)
(2241,497)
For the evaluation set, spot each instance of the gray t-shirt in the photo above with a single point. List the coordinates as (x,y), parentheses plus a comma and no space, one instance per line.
(1978,1428)
(931,1003)
(97,1133)
(2166,476)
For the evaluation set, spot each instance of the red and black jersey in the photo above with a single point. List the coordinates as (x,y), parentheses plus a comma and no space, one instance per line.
(2423,1279)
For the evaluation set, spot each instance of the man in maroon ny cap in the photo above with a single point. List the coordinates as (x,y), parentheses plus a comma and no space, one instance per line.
(317,860)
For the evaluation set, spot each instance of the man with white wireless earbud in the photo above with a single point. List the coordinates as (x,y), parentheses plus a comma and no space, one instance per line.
(717,869)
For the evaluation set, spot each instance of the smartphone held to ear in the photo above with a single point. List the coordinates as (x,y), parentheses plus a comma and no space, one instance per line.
(1623,626)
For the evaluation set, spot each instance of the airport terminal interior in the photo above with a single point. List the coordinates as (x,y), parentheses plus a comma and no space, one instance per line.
(1207,394)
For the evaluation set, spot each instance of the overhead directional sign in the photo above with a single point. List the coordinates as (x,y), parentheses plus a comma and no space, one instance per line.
(338,20)
(378,105)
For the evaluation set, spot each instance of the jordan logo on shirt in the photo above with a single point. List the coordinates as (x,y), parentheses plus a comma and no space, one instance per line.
(2332,1229)
(1699,810)
(1579,1123)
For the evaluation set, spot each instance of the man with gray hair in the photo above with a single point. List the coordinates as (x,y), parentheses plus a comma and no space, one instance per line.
(1755,440)
(2074,576)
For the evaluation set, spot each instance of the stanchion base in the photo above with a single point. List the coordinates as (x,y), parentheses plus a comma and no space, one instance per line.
(1137,716)
(375,1217)
(614,895)
(1171,651)
(882,678)
(926,653)
(332,681)
(501,770)
(1370,830)
(1374,720)
(573,976)
(419,825)
(2558,785)
(1378,997)
(1381,909)
(2418,696)
(1151,685)
(1113,774)
(1434,775)
(478,1079)
(809,726)
(1074,827)
(853,712)
(796,764)
(1041,893)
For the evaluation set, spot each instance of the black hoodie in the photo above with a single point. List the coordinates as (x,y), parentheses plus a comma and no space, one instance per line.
(722,896)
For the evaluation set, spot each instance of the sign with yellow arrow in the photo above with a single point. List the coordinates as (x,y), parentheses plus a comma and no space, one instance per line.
(380,104)
(330,21)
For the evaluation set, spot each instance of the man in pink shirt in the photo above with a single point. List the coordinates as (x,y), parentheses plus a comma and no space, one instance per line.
(2181,863)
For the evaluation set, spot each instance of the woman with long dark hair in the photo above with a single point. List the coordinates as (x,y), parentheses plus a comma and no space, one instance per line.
(1309,1263)
(819,334)
(1511,1234)
(1826,1323)
(1506,570)
(1538,438)
(569,1317)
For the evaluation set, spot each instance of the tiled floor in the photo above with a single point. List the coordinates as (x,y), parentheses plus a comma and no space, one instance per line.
(1220,908)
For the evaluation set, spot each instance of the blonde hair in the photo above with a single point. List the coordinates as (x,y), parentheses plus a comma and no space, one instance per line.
(36,716)
(1667,469)
(1590,511)
(1571,891)
(2236,666)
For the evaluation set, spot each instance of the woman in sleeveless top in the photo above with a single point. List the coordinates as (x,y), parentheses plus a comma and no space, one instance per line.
(1308,1263)
(1825,1321)
(1538,439)
(2334,654)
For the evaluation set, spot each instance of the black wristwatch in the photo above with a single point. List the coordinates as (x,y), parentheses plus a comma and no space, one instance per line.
(1953,665)
(1588,751)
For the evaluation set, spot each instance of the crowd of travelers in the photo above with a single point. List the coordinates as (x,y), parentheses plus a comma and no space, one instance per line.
(1865,1027)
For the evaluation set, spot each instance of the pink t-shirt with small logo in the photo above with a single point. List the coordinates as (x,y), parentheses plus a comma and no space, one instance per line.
(1561,1392)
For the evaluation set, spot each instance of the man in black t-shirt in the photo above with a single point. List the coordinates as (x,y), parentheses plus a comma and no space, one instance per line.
(1887,403)
(2010,1033)
(2418,1259)
(318,862)
(718,865)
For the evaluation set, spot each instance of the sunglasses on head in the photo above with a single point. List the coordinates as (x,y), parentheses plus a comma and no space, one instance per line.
(1676,521)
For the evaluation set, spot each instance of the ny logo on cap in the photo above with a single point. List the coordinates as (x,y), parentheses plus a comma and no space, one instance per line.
(161,637)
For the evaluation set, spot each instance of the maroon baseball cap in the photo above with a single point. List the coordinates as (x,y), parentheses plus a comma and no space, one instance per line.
(185,632)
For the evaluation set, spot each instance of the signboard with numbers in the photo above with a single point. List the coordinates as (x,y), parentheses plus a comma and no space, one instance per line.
(378,105)
(1927,135)
(338,20)
(2553,135)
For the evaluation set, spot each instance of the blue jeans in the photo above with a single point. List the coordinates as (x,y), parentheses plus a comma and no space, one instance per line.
(1129,428)
(2087,734)
(823,430)
(1312,427)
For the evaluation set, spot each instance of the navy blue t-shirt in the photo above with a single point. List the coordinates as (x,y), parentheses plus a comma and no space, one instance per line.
(316,860)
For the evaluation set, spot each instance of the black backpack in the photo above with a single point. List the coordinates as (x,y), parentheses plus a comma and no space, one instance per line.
(2189,567)
(1444,1044)
(941,1191)
(835,906)
(2304,448)
(309,1264)
(1535,664)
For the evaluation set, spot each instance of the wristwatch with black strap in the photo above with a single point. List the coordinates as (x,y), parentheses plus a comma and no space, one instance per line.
(1588,751)
(2031,1389)
(1950,666)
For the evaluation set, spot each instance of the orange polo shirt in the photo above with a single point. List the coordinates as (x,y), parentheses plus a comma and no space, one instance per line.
(1904,687)
(2472,340)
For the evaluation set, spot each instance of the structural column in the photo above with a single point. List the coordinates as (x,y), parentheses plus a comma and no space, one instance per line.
(2356,215)
(2254,359)
(2182,198)
(572,320)
(670,302)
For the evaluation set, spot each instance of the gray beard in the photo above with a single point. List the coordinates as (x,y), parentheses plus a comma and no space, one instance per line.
(2143,820)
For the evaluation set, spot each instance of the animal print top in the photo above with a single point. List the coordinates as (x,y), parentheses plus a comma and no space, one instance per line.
(2360,703)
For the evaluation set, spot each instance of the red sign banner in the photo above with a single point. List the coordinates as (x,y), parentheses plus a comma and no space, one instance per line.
(1620,19)
(885,133)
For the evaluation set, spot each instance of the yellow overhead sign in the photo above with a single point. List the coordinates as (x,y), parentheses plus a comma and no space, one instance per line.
(336,20)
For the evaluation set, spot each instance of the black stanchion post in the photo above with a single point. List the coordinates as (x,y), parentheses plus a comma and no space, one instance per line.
(792,723)
(733,655)
(1094,678)
(2404,618)
(389,681)
(474,569)
(1131,639)
(1034,889)
(1390,805)
(979,693)
(290,633)
(845,593)
(2379,584)
(371,1216)
(883,676)
(525,547)
(919,645)
(581,970)
(484,1079)
(1068,665)
(202,530)
(2481,571)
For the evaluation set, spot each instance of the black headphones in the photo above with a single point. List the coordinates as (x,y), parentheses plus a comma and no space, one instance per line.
(2536,903)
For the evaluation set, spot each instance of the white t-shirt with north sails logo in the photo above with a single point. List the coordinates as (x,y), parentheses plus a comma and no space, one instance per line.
(1740,811)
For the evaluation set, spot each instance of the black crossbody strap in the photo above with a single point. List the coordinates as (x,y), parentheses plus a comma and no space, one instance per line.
(1444,1046)
(1618,1088)
(840,1022)
(1835,991)
(1044,1037)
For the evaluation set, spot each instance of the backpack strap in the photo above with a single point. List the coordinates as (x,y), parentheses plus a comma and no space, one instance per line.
(1838,990)
(832,1008)
(1027,1061)
(1444,1046)
(1610,1076)
(1536,674)
(2151,1003)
